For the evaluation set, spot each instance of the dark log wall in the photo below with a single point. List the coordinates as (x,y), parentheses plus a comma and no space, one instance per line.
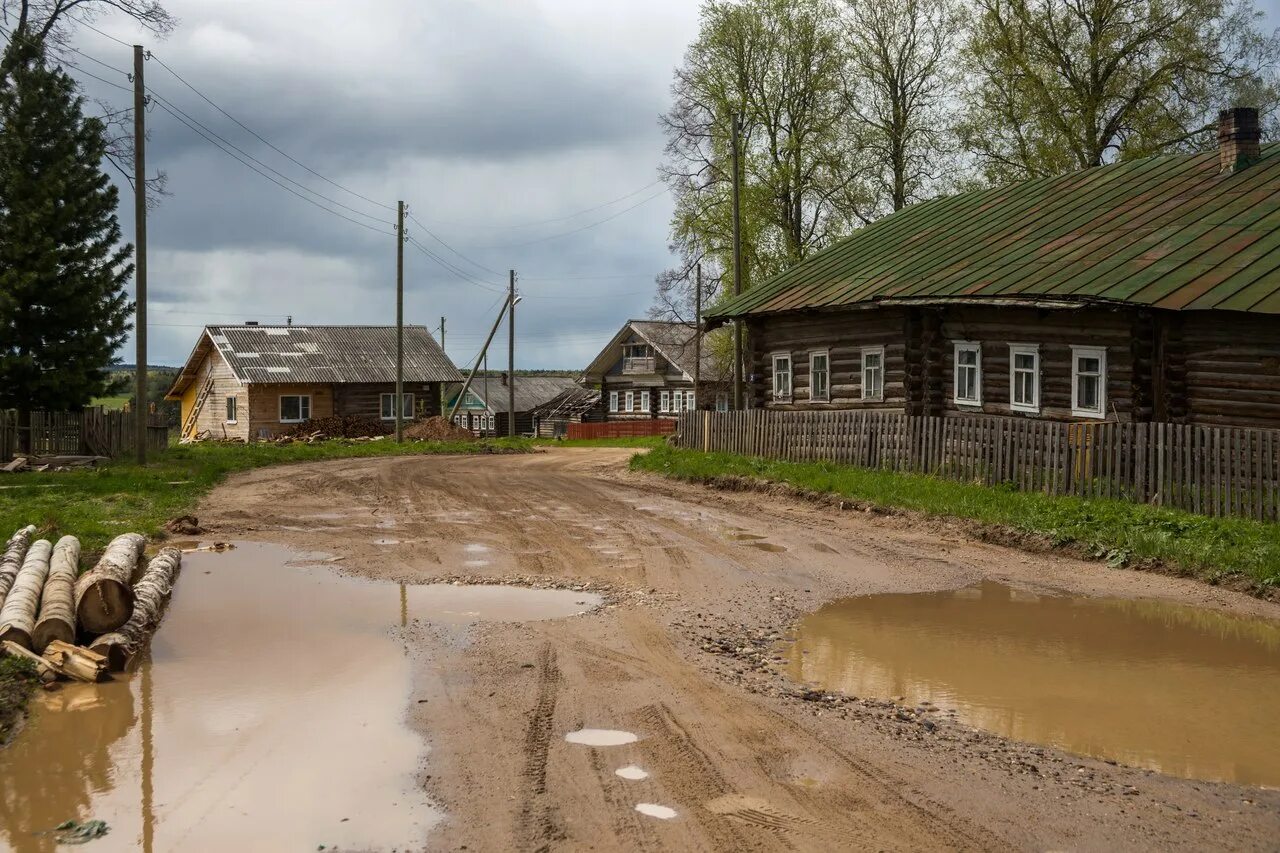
(1232,368)
(1055,332)
(365,399)
(843,335)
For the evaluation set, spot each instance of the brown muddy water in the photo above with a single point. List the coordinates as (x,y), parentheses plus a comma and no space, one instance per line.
(269,716)
(1178,689)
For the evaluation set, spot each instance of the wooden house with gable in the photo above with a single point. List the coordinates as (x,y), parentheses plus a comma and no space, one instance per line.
(647,371)
(252,381)
(1147,290)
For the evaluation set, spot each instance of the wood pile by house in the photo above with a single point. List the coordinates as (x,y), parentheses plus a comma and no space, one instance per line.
(45,608)
(437,429)
(339,426)
(50,463)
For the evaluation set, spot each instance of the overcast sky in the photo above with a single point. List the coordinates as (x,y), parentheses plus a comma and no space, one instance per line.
(498,121)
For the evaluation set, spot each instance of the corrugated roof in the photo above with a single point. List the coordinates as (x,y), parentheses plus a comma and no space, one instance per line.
(1167,231)
(285,354)
(674,341)
(531,391)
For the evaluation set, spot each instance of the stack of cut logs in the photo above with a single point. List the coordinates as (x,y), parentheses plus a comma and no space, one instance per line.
(44,606)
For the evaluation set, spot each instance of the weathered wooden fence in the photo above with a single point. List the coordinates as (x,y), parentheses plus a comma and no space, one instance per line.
(95,431)
(1215,471)
(623,429)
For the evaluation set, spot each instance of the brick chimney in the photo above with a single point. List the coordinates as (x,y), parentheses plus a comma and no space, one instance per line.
(1238,138)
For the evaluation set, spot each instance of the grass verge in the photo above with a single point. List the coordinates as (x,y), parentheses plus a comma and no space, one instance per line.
(1120,532)
(641,442)
(99,504)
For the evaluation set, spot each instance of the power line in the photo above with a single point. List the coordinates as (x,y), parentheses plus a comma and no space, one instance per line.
(461,273)
(576,230)
(194,127)
(88,25)
(433,236)
(266,141)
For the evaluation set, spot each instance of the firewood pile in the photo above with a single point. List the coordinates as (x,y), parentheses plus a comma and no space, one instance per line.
(81,627)
(337,426)
(51,463)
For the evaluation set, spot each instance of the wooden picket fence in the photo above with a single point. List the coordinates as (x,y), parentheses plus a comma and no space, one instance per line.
(94,431)
(622,429)
(1216,471)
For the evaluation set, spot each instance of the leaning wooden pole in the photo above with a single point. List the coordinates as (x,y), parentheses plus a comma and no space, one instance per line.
(18,616)
(151,594)
(15,551)
(57,619)
(103,597)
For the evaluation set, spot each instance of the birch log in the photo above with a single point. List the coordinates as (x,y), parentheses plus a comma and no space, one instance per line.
(151,594)
(18,615)
(57,619)
(103,596)
(15,550)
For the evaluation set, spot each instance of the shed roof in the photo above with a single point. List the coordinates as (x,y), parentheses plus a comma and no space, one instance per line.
(531,391)
(1168,231)
(326,354)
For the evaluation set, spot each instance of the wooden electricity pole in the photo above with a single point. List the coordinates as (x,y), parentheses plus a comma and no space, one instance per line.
(442,333)
(697,336)
(140,255)
(511,355)
(737,266)
(399,403)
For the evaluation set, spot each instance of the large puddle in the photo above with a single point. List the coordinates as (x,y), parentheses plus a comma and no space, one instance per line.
(270,716)
(1182,690)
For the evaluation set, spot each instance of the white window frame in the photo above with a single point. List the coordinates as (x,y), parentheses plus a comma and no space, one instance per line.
(613,401)
(232,409)
(789,373)
(879,369)
(490,419)
(966,346)
(664,401)
(826,394)
(1032,350)
(646,403)
(306,415)
(677,401)
(722,402)
(406,401)
(690,401)
(631,402)
(1100,353)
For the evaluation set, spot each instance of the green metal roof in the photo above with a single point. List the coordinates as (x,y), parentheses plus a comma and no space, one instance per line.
(1167,231)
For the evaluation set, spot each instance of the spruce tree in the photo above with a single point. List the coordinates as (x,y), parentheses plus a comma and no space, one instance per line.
(63,269)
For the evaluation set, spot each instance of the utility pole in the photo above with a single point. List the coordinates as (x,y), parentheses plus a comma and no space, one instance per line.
(399,404)
(442,333)
(140,255)
(697,336)
(484,356)
(511,355)
(737,266)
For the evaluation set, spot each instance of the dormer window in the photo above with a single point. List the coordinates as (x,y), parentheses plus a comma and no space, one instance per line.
(638,358)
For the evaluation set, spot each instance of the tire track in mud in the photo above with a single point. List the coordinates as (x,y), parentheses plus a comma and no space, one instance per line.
(536,825)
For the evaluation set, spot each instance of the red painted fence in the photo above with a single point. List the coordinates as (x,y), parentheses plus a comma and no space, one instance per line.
(622,429)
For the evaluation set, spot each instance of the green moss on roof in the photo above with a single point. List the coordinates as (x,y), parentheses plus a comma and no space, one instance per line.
(1167,231)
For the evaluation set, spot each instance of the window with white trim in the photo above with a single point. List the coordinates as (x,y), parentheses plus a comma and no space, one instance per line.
(644,402)
(819,377)
(295,408)
(1089,382)
(689,401)
(782,376)
(873,373)
(664,401)
(1024,377)
(388,406)
(631,402)
(677,401)
(491,423)
(968,373)
(613,401)
(231,410)
(722,402)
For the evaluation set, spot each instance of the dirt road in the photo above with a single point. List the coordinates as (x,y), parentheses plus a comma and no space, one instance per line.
(748,761)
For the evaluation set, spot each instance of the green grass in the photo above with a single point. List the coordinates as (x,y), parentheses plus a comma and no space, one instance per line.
(112,403)
(639,442)
(1118,531)
(99,504)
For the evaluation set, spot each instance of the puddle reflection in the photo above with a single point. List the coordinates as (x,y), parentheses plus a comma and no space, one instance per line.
(1183,690)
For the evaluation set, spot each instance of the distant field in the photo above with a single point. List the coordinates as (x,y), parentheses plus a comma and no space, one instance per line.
(112,402)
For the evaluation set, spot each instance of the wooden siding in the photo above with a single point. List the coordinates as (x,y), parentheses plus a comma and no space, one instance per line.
(365,399)
(842,335)
(1231,369)
(212,416)
(264,405)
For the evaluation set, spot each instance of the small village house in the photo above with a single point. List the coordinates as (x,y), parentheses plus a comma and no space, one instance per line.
(252,381)
(1141,291)
(572,406)
(647,371)
(486,408)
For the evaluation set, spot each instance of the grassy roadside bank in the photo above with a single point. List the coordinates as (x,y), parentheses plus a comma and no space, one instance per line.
(1122,533)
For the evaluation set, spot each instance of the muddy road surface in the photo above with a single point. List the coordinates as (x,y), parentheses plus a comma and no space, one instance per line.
(696,738)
